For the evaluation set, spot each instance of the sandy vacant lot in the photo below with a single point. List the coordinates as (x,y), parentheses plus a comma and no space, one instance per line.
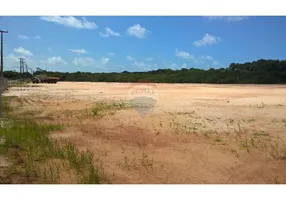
(195,133)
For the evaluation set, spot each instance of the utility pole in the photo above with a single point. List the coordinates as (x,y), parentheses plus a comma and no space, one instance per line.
(1,31)
(1,70)
(26,68)
(31,71)
(21,65)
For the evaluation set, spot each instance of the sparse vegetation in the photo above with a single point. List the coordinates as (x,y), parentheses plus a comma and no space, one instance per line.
(27,144)
(102,107)
(135,149)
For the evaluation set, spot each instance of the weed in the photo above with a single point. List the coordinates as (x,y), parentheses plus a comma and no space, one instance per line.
(262,105)
(276,181)
(236,153)
(250,120)
(218,139)
(231,121)
(260,133)
(126,162)
(146,162)
(51,174)
(157,132)
(206,134)
(100,107)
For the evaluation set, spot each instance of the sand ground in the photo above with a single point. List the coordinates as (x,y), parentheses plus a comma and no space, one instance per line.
(195,133)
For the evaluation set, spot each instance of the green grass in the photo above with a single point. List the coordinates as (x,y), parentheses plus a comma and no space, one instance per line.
(99,108)
(34,148)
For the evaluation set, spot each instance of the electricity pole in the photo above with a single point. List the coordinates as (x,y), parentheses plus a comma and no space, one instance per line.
(31,71)
(1,31)
(1,70)
(26,68)
(21,65)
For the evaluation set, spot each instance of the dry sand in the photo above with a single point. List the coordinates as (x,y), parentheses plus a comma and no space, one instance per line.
(196,133)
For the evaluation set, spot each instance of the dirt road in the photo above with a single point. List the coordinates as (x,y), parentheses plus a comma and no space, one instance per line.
(194,133)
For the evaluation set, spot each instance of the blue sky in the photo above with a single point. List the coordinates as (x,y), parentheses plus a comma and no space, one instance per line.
(115,44)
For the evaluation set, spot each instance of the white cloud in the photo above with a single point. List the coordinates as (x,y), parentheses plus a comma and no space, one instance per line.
(130,58)
(174,65)
(228,18)
(83,61)
(185,55)
(184,65)
(27,37)
(139,64)
(137,31)
(144,66)
(111,54)
(108,32)
(150,67)
(11,62)
(203,59)
(216,63)
(22,51)
(208,57)
(207,40)
(80,51)
(149,59)
(104,60)
(23,37)
(71,22)
(56,61)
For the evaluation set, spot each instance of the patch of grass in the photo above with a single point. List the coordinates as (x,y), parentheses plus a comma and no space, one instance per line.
(100,107)
(262,105)
(186,128)
(82,163)
(147,162)
(189,114)
(208,119)
(206,135)
(261,141)
(250,120)
(6,107)
(260,133)
(29,146)
(35,146)
(278,149)
(236,153)
(231,121)
(218,139)
(51,173)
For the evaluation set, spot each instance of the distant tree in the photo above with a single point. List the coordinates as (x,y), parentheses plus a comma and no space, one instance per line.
(260,71)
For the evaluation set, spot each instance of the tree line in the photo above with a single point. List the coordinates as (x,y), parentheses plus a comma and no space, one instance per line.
(256,72)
